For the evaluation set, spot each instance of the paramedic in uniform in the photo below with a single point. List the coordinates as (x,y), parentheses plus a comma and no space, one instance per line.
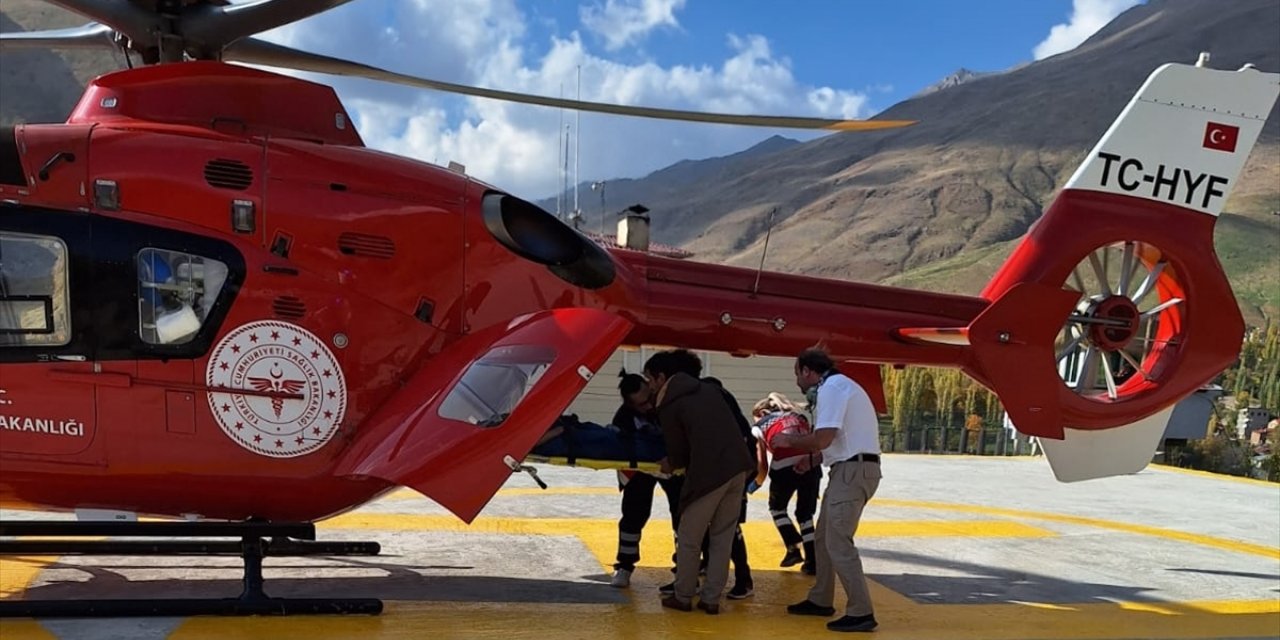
(637,416)
(846,432)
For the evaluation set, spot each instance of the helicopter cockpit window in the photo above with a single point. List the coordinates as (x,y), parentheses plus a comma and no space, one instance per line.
(175,293)
(33,291)
(495,384)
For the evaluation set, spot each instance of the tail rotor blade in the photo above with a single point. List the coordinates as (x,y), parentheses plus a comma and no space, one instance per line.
(255,51)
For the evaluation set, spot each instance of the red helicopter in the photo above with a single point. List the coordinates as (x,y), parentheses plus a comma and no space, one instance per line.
(216,302)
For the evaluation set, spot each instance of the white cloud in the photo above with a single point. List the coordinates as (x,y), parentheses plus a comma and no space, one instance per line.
(623,22)
(1087,16)
(518,147)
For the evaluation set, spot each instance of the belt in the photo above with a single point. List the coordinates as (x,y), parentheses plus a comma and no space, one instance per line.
(864,457)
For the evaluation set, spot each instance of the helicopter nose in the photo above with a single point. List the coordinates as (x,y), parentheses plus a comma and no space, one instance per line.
(534,234)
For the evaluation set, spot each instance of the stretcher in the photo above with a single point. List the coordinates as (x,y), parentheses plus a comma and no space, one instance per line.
(601,447)
(593,463)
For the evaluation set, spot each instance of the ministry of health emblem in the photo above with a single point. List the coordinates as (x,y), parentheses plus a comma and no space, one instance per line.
(285,391)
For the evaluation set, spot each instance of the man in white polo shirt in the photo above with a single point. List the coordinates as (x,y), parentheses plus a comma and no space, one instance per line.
(846,432)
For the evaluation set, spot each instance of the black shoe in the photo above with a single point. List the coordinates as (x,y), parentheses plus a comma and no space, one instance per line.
(668,589)
(711,609)
(809,568)
(741,591)
(808,608)
(670,602)
(853,623)
(792,558)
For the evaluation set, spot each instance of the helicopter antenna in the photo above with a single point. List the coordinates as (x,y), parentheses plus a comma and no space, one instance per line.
(577,152)
(564,171)
(560,160)
(768,230)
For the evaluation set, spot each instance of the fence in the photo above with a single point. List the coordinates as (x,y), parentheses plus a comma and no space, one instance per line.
(989,441)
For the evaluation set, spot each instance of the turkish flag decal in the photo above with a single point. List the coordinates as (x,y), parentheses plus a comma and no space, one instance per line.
(1221,137)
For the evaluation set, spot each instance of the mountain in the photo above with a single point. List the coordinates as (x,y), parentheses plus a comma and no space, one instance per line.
(680,177)
(938,205)
(956,79)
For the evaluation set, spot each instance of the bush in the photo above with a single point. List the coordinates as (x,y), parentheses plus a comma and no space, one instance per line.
(1270,466)
(1218,454)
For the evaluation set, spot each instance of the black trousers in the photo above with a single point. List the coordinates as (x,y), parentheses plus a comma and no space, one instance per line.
(637,506)
(785,483)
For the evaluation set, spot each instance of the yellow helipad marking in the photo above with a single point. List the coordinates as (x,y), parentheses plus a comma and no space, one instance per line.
(1140,529)
(578,526)
(1216,476)
(1170,534)
(761,617)
(24,630)
(750,619)
(600,535)
(16,572)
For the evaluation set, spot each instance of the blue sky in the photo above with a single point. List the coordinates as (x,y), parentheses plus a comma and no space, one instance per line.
(870,46)
(830,58)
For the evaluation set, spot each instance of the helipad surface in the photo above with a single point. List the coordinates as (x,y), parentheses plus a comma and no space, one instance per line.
(956,547)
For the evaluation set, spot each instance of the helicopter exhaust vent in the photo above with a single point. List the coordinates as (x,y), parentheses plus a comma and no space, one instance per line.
(228,174)
(366,245)
(289,307)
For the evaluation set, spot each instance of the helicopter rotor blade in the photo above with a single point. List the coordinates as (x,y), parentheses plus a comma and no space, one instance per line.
(89,36)
(221,25)
(128,18)
(261,52)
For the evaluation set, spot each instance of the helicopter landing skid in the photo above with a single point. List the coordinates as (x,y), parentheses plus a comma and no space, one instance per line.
(257,541)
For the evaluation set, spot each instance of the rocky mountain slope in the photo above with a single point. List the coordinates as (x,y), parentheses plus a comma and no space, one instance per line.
(938,205)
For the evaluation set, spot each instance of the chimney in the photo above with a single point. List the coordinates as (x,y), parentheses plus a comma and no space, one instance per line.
(633,228)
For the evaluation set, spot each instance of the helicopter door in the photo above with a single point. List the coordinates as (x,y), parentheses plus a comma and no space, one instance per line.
(488,397)
(46,409)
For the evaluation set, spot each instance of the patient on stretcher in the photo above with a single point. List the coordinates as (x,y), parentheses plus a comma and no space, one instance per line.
(579,442)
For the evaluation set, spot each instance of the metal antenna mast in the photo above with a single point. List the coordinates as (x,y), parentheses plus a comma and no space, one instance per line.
(768,231)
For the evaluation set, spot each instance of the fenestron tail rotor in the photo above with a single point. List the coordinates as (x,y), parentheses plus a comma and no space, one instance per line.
(177,30)
(1128,325)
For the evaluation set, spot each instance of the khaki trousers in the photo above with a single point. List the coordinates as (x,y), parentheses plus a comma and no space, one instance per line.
(718,512)
(849,487)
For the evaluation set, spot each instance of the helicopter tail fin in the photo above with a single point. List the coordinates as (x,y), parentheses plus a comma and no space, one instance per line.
(1115,305)
(488,397)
